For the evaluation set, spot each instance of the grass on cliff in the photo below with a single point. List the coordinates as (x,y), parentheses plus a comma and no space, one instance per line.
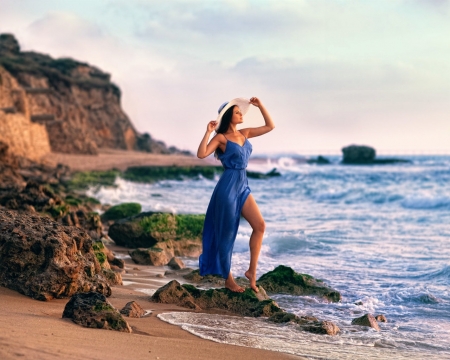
(168,226)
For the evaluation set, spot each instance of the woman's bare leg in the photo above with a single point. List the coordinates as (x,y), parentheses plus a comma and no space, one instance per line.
(251,213)
(230,284)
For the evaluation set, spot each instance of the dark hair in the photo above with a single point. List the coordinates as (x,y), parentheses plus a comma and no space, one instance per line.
(223,127)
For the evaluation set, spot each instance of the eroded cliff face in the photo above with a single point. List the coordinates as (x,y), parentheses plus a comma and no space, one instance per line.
(75,102)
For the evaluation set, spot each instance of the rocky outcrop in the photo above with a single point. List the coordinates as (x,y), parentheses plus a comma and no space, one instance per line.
(381,318)
(365,155)
(63,105)
(168,234)
(307,323)
(132,309)
(366,320)
(43,259)
(284,280)
(247,303)
(38,198)
(92,310)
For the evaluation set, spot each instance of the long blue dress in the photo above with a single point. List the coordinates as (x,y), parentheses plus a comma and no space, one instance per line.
(224,210)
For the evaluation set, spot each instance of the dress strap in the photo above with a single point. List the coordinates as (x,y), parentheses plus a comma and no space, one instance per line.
(243,135)
(224,136)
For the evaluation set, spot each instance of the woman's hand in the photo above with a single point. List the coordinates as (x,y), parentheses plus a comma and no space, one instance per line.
(255,101)
(211,126)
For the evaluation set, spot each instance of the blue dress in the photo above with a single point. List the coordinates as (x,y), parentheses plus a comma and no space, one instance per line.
(224,210)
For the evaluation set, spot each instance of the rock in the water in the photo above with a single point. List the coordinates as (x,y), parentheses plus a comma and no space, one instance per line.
(92,310)
(320,160)
(381,318)
(43,259)
(284,280)
(153,256)
(284,317)
(366,320)
(133,309)
(321,327)
(358,154)
(176,264)
(247,303)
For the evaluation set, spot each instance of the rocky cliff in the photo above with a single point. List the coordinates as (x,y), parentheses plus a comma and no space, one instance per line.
(62,105)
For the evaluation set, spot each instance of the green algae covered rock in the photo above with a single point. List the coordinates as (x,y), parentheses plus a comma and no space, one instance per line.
(122,211)
(284,280)
(247,303)
(151,174)
(147,229)
(92,310)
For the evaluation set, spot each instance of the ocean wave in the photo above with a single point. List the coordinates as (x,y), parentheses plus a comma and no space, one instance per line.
(427,203)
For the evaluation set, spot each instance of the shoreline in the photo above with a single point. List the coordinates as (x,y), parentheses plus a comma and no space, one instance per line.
(34,329)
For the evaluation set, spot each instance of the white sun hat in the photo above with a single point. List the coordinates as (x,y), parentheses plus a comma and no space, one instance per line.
(243,104)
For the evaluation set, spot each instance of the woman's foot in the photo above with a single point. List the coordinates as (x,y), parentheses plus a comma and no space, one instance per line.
(231,285)
(252,278)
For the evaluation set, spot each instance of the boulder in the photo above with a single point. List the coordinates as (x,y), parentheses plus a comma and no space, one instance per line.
(176,264)
(284,280)
(178,234)
(307,323)
(133,309)
(381,318)
(358,154)
(247,303)
(92,310)
(43,259)
(321,327)
(320,160)
(152,256)
(121,211)
(366,320)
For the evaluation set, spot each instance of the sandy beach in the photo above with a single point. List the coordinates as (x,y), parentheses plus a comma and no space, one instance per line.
(121,159)
(33,329)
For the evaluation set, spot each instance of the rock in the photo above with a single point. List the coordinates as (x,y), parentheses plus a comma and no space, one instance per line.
(321,327)
(43,259)
(92,310)
(258,175)
(366,320)
(358,154)
(176,264)
(133,309)
(152,256)
(121,211)
(179,235)
(208,280)
(381,318)
(247,303)
(284,280)
(174,293)
(320,160)
(365,155)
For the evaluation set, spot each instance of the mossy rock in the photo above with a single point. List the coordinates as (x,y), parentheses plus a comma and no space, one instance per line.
(147,229)
(284,280)
(247,303)
(122,211)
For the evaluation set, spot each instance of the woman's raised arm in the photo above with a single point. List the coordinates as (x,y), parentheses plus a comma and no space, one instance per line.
(205,149)
(261,130)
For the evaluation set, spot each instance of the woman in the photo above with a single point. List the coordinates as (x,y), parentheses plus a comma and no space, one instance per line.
(231,197)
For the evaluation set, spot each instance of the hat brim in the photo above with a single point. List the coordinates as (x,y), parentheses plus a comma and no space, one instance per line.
(243,104)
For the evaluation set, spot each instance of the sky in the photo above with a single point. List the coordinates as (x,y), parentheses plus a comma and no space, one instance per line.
(330,72)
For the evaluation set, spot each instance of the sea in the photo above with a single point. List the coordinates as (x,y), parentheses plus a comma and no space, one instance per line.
(379,234)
